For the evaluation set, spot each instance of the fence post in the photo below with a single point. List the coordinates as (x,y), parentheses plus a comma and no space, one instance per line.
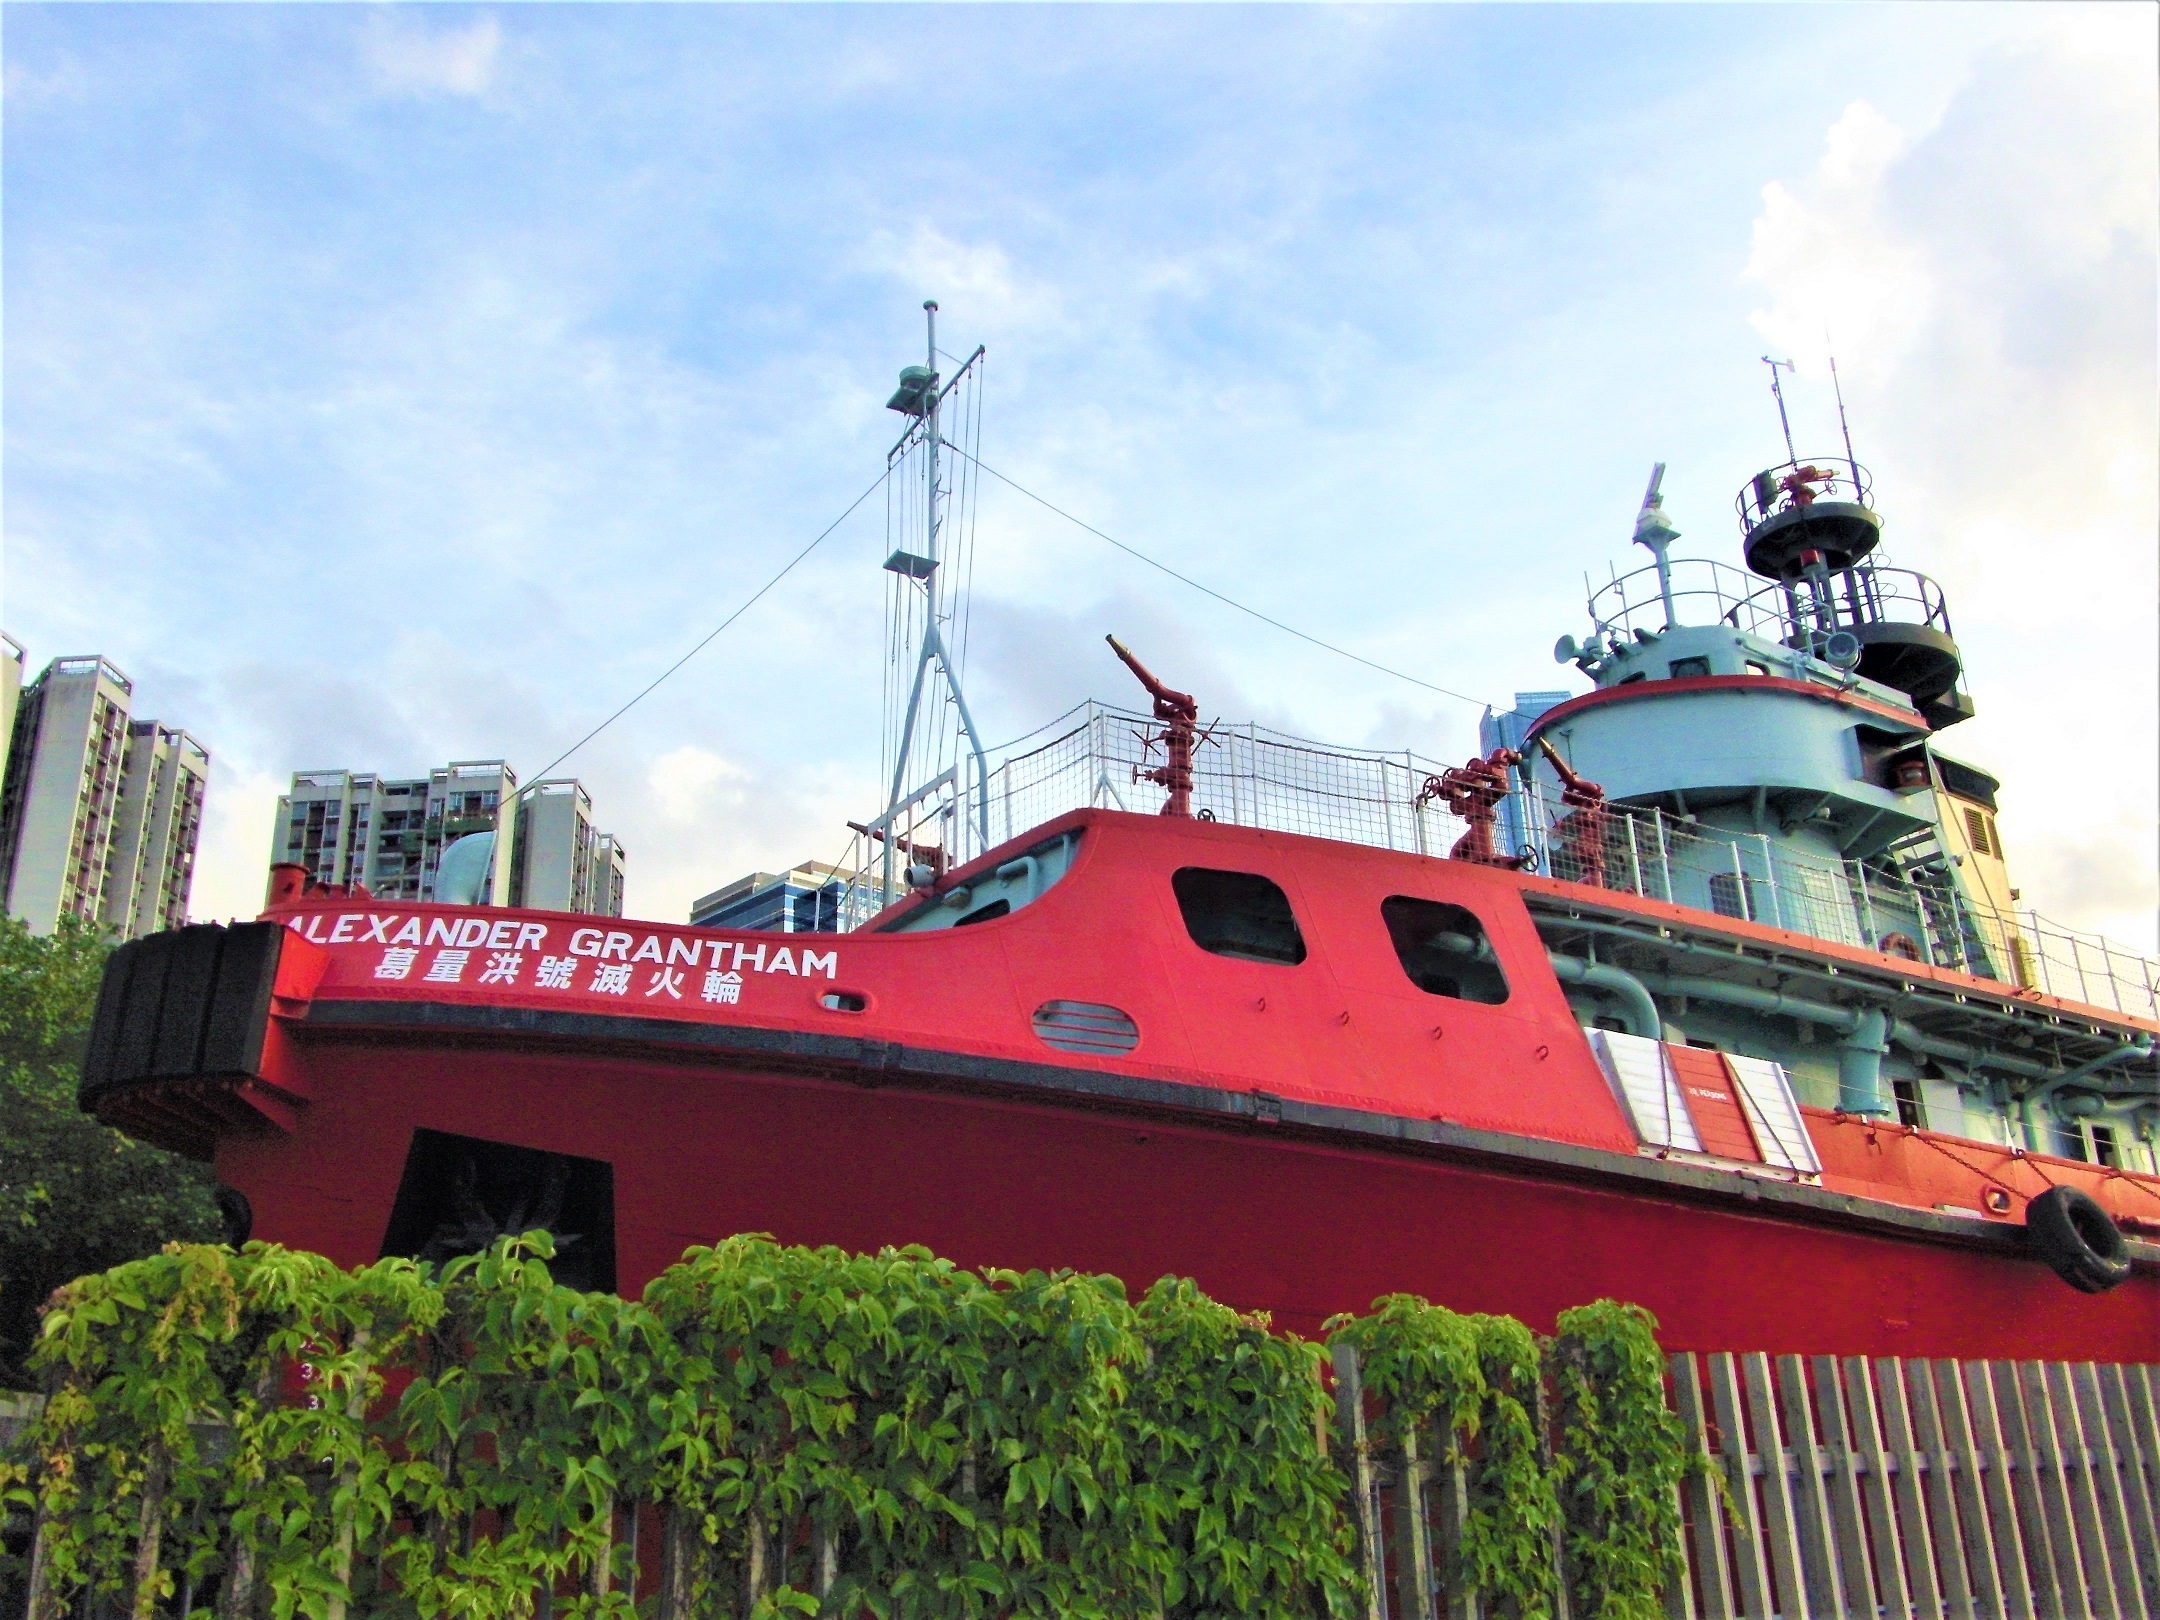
(1912,1505)
(1413,1536)
(2099,1530)
(2021,1455)
(1706,1522)
(2005,1495)
(1955,1430)
(1350,1418)
(1931,1438)
(2107,1463)
(1811,1503)
(1792,1577)
(1856,1570)
(2132,1460)
(1876,1494)
(1758,1594)
(2077,1547)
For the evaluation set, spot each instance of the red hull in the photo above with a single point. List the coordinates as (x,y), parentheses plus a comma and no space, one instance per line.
(1264,1216)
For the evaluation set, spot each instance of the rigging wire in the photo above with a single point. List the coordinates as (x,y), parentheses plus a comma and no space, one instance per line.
(1205,590)
(755,598)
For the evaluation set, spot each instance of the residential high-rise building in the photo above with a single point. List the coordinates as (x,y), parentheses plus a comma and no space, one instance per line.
(99,814)
(161,803)
(389,833)
(609,859)
(805,899)
(11,679)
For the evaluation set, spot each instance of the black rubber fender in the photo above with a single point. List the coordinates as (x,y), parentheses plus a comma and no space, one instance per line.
(236,1216)
(2078,1239)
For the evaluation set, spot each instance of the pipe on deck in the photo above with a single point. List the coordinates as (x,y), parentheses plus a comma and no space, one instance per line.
(1865,1033)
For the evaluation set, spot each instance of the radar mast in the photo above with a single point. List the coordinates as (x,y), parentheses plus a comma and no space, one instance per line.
(937,806)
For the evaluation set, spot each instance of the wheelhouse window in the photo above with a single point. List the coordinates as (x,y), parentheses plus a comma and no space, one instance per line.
(1239,914)
(989,895)
(1444,949)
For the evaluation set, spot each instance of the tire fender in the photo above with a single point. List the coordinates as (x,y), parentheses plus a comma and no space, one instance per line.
(2078,1239)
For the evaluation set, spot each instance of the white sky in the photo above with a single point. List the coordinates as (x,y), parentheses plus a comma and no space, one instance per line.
(390,385)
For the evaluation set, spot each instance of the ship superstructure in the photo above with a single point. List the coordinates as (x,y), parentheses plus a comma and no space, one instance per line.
(1709,995)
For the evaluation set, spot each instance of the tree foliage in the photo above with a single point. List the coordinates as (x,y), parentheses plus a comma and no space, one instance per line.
(75,1196)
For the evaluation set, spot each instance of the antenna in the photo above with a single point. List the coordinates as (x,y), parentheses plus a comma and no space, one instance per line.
(1779,394)
(921,596)
(1851,461)
(1653,531)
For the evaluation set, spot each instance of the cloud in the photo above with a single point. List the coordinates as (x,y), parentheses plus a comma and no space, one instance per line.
(977,276)
(1836,267)
(1990,283)
(407,59)
(689,781)
(24,86)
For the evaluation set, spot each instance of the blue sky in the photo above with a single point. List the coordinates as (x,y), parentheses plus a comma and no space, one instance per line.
(392,384)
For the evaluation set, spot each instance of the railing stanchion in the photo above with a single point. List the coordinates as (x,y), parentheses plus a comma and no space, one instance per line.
(1769,862)
(1417,814)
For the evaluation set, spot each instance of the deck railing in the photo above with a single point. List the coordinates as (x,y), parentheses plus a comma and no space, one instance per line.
(1252,776)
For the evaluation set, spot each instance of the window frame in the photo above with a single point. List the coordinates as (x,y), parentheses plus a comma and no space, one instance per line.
(1489,961)
(1185,916)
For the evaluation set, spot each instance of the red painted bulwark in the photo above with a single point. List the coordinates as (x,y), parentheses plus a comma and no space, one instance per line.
(1637,691)
(1299,1139)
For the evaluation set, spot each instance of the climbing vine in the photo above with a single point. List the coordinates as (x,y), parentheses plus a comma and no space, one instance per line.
(260,1435)
(1231,1465)
(1466,1387)
(1621,1456)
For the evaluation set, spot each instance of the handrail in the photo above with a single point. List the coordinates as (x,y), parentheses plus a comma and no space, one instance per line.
(1792,486)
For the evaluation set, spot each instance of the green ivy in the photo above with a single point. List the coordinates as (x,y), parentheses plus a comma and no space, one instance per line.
(1467,1387)
(814,1432)
(1230,1425)
(1621,1456)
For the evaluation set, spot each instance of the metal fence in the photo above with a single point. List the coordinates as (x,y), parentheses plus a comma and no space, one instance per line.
(1252,776)
(1855,1486)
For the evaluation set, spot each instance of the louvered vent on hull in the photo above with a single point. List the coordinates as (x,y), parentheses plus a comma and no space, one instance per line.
(1086,1026)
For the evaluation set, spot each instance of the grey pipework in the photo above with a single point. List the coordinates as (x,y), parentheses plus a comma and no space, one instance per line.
(2140,1046)
(1863,1031)
(1859,1064)
(1841,1019)
(1637,1009)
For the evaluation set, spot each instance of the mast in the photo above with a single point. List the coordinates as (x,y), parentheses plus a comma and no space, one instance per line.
(936,675)
(1851,461)
(1778,393)
(1653,531)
